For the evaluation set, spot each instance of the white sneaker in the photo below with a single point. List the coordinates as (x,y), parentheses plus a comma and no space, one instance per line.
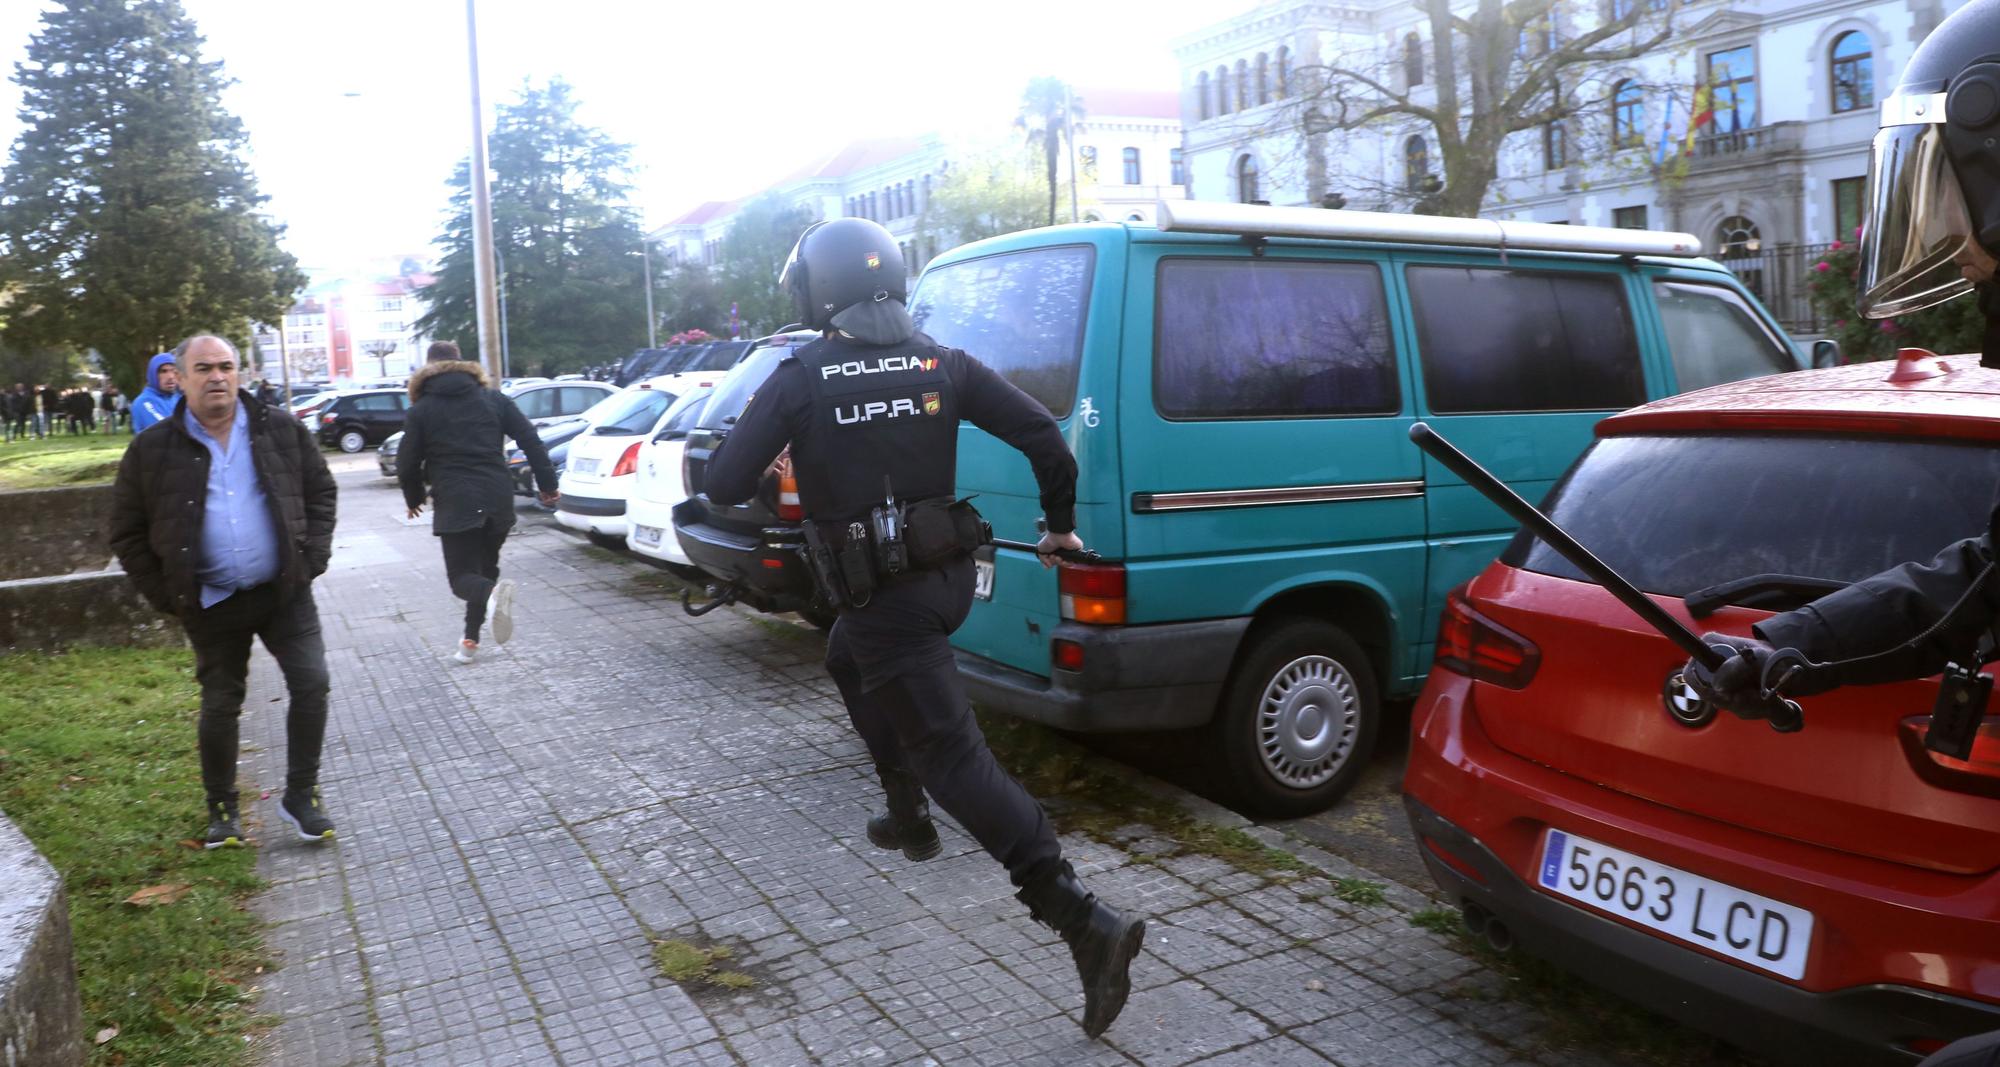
(500,611)
(466,650)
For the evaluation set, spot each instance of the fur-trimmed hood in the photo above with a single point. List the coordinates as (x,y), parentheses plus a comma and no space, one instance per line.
(431,370)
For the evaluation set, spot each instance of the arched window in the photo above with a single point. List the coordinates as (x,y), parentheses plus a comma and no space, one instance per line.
(1853,72)
(1628,115)
(1284,71)
(1737,235)
(1242,85)
(1413,59)
(1246,180)
(1263,78)
(1131,161)
(1416,163)
(1201,88)
(1222,90)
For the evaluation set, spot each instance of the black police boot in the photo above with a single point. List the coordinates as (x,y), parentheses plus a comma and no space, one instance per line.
(907,824)
(225,827)
(1102,939)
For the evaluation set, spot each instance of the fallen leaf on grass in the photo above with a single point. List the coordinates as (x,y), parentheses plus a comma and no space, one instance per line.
(73,778)
(189,842)
(106,1034)
(158,894)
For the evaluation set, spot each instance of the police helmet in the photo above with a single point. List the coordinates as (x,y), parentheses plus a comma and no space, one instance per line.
(847,275)
(1934,177)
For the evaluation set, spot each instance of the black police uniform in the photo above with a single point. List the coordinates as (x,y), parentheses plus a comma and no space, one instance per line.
(1883,612)
(854,413)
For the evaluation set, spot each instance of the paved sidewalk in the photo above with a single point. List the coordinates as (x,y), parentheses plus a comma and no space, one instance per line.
(516,834)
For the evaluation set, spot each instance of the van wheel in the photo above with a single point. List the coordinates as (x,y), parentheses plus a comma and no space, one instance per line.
(352,441)
(1298,719)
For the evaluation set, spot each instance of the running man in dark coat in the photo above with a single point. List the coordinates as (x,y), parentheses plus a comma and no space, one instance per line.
(452,440)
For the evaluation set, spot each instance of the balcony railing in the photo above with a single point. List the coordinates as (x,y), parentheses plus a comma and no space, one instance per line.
(1732,145)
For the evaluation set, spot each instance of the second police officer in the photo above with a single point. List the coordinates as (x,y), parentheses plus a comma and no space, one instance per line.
(1932,234)
(870,412)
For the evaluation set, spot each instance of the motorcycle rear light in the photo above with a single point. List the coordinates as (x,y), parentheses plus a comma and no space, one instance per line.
(788,500)
(1066,655)
(1092,592)
(1479,648)
(627,463)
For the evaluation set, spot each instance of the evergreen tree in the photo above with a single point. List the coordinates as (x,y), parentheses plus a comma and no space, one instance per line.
(574,277)
(128,217)
(754,251)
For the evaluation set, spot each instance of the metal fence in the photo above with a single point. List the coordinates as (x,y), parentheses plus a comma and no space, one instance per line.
(1781,277)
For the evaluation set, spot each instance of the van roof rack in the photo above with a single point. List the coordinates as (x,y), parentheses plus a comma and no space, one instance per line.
(1256,220)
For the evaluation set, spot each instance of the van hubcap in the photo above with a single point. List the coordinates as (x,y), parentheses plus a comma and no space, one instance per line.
(1307,720)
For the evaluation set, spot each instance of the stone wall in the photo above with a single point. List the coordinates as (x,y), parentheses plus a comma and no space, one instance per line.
(104,608)
(53,531)
(41,1018)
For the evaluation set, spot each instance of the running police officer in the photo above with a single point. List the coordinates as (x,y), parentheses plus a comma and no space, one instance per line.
(871,412)
(1933,233)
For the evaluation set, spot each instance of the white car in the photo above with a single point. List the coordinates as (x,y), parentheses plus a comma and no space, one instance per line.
(658,486)
(604,460)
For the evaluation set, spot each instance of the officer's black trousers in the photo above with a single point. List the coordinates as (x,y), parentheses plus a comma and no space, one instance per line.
(892,661)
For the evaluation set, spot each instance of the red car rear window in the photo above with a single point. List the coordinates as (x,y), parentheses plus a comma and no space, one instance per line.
(1679,513)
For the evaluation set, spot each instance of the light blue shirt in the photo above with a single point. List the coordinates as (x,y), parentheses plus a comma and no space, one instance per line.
(239,541)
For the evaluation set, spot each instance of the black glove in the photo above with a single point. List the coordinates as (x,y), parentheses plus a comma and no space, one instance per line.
(1739,682)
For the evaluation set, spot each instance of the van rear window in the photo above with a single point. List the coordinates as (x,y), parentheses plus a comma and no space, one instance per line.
(1678,513)
(1261,338)
(1020,313)
(1495,340)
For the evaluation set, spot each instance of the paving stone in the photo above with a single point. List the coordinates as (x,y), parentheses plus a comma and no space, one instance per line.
(1293,988)
(523,1044)
(303,898)
(582,978)
(433,957)
(442,1011)
(331,1036)
(1392,1034)
(302,940)
(1179,1023)
(652,1027)
(1279,1051)
(1405,958)
(330,981)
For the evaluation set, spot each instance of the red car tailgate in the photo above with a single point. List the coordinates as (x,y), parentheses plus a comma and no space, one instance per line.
(1596,709)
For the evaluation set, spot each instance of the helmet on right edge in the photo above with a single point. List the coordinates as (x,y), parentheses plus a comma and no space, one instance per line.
(1934,176)
(847,274)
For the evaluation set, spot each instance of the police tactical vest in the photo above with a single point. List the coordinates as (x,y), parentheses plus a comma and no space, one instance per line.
(876,410)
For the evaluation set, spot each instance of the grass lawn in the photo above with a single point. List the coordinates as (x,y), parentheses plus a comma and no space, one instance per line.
(98,768)
(64,460)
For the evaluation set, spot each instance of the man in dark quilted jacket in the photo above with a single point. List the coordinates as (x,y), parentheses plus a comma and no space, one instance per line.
(222,514)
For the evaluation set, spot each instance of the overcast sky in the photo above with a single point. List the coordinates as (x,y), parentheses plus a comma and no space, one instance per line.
(717,99)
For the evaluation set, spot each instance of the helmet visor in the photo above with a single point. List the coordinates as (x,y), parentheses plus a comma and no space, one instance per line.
(1918,236)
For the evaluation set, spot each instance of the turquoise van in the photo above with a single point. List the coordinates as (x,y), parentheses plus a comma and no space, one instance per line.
(1237,385)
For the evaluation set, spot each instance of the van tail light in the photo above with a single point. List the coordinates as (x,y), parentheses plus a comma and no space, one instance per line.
(1092,592)
(627,463)
(788,500)
(1978,772)
(1479,648)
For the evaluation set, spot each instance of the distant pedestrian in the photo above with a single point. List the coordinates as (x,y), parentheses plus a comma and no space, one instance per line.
(80,410)
(156,401)
(239,566)
(452,442)
(9,426)
(23,411)
(107,407)
(51,409)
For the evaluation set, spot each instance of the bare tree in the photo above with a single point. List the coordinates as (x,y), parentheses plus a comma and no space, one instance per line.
(1498,68)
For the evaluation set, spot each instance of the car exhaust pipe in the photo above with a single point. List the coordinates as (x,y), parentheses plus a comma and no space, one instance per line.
(1475,917)
(1499,936)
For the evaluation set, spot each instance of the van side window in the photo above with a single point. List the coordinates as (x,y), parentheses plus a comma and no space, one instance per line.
(1714,337)
(1020,313)
(1262,338)
(1494,340)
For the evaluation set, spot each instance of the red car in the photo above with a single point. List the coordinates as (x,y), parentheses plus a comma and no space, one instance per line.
(1826,896)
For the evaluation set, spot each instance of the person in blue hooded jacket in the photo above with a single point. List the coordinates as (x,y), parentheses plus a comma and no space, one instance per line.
(156,401)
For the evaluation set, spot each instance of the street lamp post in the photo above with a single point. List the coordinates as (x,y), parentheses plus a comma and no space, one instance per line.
(506,357)
(485,295)
(652,326)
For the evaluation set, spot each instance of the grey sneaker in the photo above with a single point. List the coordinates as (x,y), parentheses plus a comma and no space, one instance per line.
(225,829)
(500,611)
(304,811)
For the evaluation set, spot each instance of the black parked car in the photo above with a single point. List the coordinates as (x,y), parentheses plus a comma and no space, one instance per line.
(556,438)
(353,421)
(752,548)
